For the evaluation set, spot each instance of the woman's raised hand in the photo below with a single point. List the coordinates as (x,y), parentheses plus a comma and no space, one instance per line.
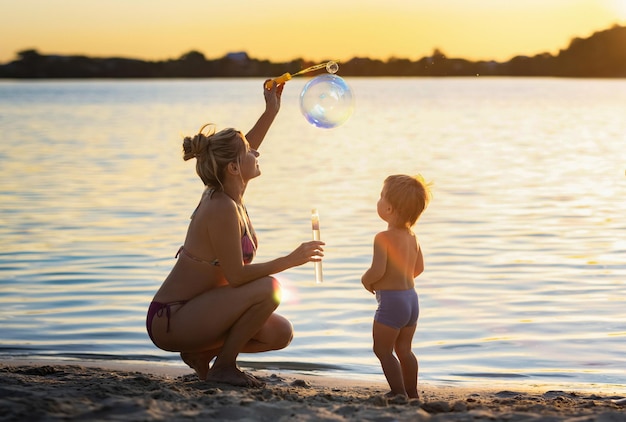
(307,252)
(273,96)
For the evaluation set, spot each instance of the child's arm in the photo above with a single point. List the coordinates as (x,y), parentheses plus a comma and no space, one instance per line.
(379,263)
(419,262)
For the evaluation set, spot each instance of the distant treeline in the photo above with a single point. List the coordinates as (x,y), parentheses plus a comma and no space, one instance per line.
(602,55)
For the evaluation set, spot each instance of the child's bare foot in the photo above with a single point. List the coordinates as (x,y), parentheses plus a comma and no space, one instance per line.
(394,394)
(233,376)
(199,362)
(397,398)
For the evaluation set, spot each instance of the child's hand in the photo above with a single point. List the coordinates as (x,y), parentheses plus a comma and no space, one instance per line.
(368,288)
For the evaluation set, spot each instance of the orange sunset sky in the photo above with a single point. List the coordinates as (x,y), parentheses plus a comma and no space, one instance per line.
(313,30)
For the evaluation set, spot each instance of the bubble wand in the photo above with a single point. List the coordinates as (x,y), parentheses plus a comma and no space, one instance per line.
(315,223)
(331,67)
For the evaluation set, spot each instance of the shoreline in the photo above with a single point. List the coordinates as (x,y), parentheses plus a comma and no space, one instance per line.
(54,389)
(178,368)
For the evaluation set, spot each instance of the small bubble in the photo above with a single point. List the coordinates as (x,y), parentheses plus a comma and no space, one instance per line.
(332,67)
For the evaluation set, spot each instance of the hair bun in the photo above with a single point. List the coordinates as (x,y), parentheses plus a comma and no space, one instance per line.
(196,147)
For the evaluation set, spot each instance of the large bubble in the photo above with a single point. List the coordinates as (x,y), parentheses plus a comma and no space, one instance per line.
(326,101)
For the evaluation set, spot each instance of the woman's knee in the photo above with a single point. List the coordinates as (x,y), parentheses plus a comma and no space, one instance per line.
(276,334)
(284,333)
(270,289)
(281,336)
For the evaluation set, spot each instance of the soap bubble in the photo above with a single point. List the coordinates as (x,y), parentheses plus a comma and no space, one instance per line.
(332,67)
(326,101)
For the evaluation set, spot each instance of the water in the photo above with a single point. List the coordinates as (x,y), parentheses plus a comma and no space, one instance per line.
(524,242)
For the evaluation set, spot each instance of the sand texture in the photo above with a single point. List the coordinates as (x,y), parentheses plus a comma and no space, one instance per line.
(61,391)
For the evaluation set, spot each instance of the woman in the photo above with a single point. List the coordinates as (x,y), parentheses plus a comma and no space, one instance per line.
(215,303)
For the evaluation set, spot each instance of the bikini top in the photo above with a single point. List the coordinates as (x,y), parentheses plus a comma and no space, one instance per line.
(248,239)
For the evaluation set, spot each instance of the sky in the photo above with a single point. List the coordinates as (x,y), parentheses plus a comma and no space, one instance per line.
(279,30)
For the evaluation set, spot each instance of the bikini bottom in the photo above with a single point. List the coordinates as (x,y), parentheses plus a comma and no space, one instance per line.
(157,309)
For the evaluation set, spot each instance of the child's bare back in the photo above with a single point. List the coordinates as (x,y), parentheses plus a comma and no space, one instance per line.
(404,259)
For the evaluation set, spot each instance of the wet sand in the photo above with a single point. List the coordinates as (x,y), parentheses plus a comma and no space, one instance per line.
(85,390)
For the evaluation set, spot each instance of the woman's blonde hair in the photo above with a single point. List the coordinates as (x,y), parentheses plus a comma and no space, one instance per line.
(213,152)
(408,195)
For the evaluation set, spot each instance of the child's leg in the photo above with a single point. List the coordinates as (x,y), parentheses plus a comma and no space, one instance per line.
(384,341)
(408,361)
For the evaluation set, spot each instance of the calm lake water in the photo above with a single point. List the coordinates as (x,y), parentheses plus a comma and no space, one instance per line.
(524,241)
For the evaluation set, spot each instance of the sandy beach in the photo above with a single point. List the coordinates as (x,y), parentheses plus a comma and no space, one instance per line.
(84,390)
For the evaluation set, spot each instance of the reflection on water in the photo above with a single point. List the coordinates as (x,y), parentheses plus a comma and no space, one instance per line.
(524,240)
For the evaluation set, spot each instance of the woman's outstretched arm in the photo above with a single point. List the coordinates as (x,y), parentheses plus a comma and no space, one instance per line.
(272,105)
(224,229)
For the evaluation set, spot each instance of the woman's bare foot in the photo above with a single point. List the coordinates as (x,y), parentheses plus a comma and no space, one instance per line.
(199,362)
(233,376)
(254,381)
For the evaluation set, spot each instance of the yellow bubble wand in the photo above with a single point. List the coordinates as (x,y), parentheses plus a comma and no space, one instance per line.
(331,67)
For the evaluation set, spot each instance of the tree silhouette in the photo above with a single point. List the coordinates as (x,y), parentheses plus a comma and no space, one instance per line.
(603,54)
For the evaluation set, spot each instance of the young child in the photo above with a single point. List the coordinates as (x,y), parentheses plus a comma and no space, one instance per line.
(397,260)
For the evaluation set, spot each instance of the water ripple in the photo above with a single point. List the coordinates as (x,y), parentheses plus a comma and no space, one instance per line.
(524,240)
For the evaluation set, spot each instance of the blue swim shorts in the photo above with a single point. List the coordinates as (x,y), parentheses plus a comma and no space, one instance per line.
(397,308)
